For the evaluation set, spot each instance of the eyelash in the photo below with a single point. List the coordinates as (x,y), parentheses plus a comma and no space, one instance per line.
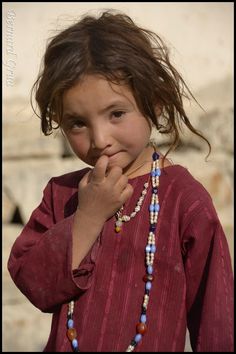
(118,112)
(79,124)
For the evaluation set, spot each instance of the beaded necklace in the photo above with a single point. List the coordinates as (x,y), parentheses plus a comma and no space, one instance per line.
(150,250)
(125,218)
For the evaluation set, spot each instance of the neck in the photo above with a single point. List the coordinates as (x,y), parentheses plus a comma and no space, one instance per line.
(141,165)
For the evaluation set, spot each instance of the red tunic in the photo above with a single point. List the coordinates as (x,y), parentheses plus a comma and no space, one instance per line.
(193,283)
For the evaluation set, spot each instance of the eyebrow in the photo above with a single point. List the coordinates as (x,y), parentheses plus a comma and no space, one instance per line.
(71,115)
(111,106)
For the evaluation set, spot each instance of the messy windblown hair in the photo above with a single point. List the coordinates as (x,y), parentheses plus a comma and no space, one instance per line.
(113,46)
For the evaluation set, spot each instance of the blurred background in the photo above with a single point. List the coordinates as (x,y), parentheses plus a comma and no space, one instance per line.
(200,38)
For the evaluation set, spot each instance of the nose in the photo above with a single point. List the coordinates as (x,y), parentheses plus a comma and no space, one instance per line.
(100,138)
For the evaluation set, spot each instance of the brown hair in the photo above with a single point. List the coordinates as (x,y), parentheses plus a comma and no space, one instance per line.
(115,47)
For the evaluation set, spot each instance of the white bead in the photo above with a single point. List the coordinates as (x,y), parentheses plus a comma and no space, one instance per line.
(119,223)
(126,218)
(130,348)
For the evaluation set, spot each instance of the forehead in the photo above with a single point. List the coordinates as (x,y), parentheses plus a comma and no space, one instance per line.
(95,90)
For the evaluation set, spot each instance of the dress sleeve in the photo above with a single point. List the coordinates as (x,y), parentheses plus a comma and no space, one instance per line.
(40,261)
(209,280)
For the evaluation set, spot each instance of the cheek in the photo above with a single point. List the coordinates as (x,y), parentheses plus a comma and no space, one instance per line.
(141,132)
(78,145)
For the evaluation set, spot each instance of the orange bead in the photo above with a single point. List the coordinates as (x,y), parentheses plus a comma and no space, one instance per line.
(141,328)
(71,333)
(148,277)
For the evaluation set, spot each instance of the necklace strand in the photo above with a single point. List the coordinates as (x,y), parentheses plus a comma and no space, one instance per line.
(125,218)
(148,278)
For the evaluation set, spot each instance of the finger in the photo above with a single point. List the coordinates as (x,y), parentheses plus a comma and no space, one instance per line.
(122,182)
(114,174)
(127,193)
(99,171)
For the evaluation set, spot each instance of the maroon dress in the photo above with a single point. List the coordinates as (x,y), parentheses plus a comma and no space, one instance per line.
(193,285)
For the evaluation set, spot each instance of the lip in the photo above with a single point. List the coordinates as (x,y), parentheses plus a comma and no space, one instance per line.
(111,155)
(107,154)
(115,153)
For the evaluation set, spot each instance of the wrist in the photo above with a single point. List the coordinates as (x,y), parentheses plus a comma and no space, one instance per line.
(90,219)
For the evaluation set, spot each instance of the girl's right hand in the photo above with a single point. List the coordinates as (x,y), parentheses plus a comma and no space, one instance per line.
(101,194)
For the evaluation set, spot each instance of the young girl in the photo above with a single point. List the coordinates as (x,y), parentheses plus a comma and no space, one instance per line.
(128,254)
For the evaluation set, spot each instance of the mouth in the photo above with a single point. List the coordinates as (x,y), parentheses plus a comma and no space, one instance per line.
(110,155)
(113,157)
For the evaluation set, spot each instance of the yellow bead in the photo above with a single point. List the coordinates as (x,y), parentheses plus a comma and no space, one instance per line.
(118,228)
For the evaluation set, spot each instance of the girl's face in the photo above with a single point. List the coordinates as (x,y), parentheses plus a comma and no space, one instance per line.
(101,118)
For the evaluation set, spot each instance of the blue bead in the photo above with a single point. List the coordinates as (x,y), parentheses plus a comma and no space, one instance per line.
(155,156)
(70,323)
(148,285)
(153,173)
(75,343)
(156,207)
(150,269)
(138,337)
(143,318)
(148,248)
(153,248)
(154,190)
(157,172)
(151,207)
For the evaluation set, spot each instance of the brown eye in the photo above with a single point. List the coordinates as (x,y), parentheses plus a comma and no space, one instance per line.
(118,114)
(74,125)
(77,124)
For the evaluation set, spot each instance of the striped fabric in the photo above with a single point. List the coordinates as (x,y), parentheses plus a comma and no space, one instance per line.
(193,283)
